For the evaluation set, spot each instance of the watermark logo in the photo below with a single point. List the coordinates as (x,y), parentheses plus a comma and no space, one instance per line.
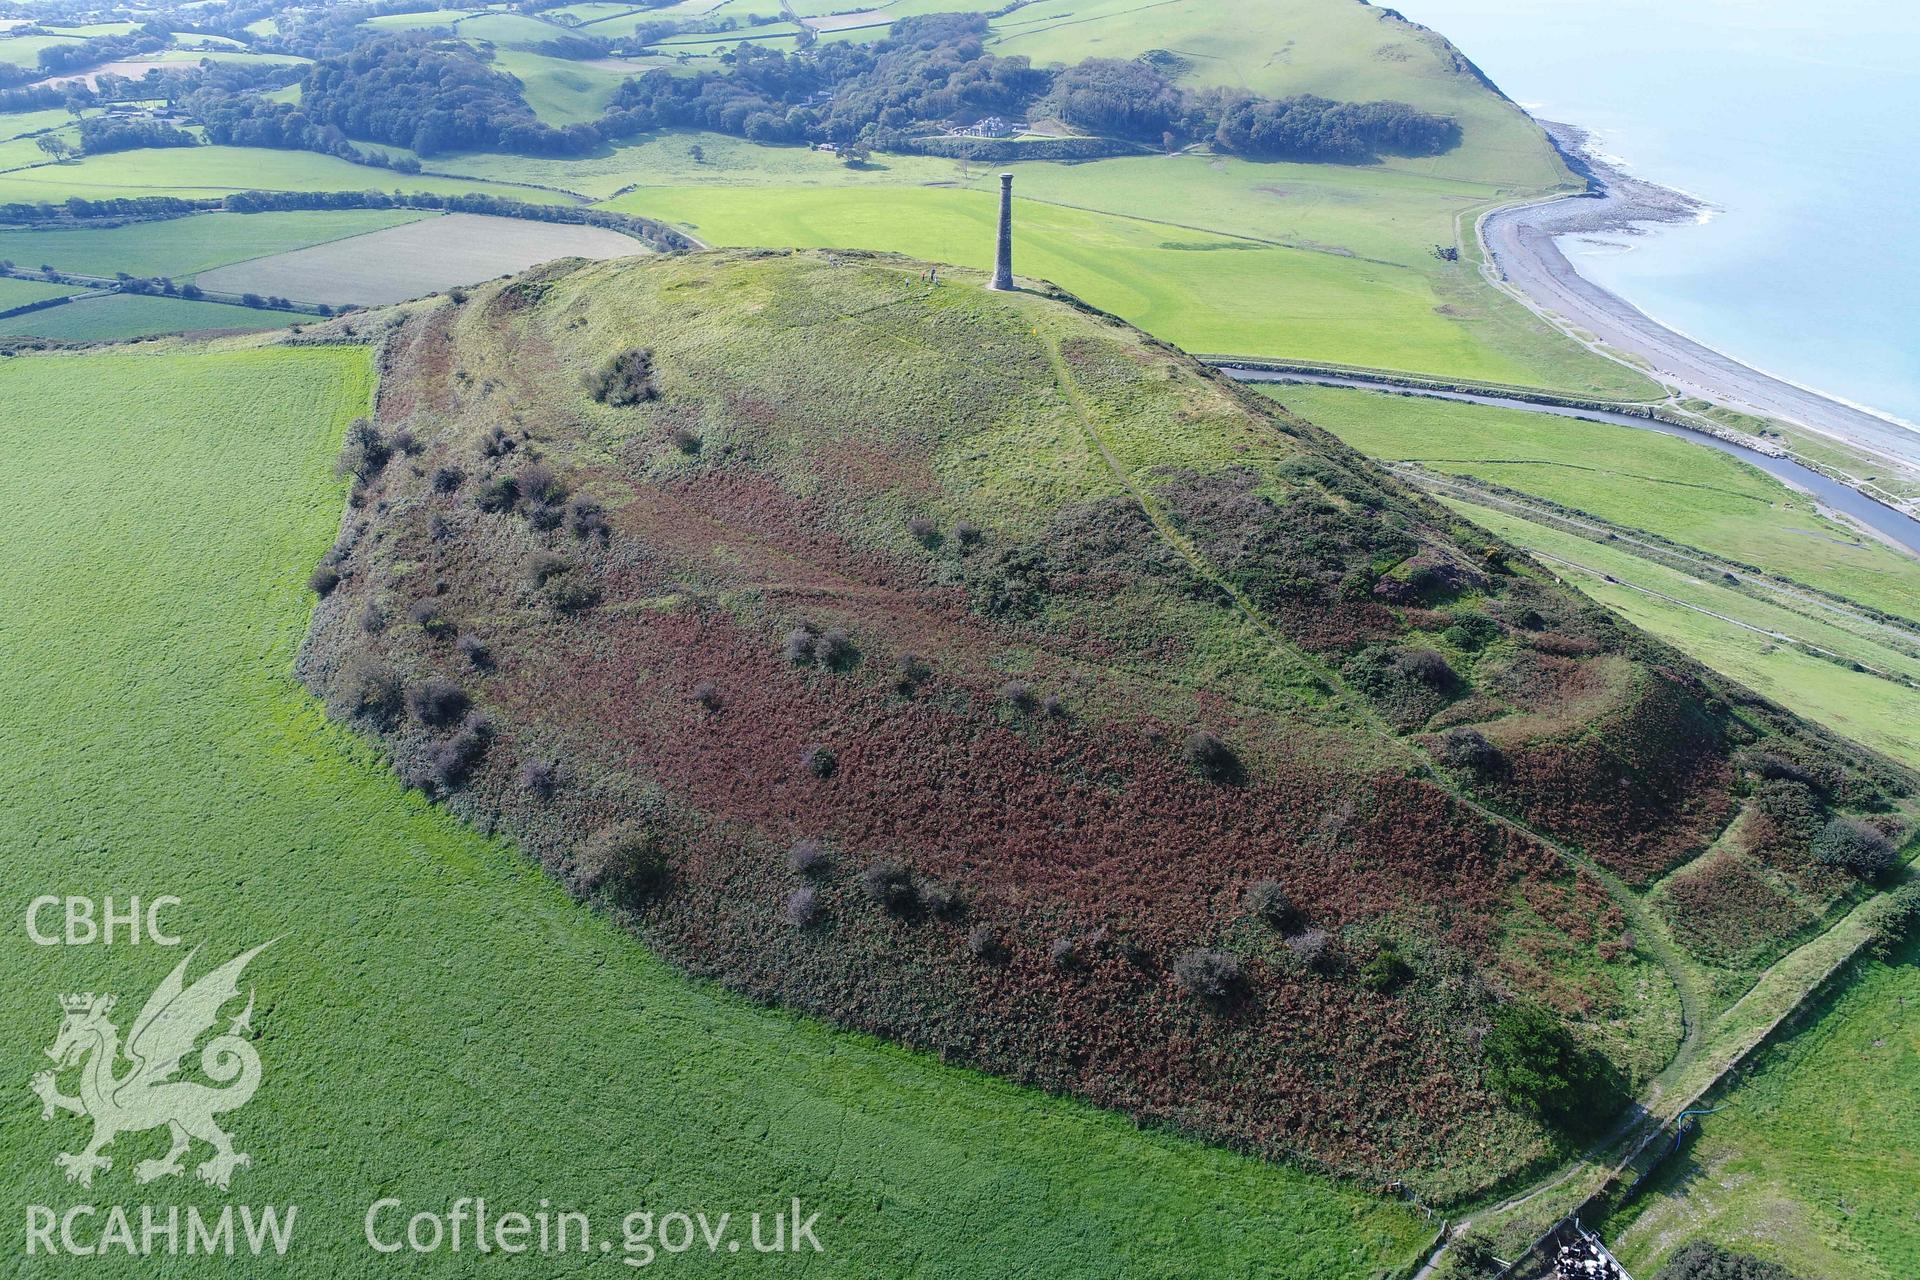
(137,1086)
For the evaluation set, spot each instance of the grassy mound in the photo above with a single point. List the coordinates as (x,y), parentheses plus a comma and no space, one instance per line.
(972,669)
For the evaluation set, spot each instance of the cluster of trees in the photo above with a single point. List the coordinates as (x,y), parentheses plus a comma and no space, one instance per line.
(407,91)
(107,133)
(253,120)
(930,68)
(431,97)
(1136,100)
(1305,127)
(936,68)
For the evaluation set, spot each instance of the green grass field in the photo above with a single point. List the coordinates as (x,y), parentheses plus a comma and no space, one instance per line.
(1685,492)
(24,51)
(1814,1161)
(561,92)
(126,315)
(437,1019)
(1200,291)
(182,246)
(19,124)
(18,293)
(200,172)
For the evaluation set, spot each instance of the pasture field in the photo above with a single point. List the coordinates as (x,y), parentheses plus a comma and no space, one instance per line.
(1814,1160)
(434,1005)
(1201,291)
(21,124)
(200,172)
(179,247)
(561,91)
(1279,47)
(18,293)
(21,153)
(420,257)
(665,159)
(424,21)
(1749,639)
(24,51)
(128,315)
(1684,492)
(90,29)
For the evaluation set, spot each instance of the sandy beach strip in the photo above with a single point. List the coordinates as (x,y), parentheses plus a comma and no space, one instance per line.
(1520,245)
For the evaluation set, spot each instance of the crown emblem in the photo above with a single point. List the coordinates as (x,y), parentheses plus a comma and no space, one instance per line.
(83,1001)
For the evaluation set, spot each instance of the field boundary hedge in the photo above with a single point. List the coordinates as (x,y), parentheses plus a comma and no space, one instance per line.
(649,231)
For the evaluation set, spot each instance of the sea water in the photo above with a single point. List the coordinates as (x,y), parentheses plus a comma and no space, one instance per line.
(1798,121)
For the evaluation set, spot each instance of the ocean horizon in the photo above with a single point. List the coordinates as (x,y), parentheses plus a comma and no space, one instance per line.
(1788,121)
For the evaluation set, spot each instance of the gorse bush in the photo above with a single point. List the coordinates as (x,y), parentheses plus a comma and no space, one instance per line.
(834,650)
(986,944)
(1468,749)
(1856,848)
(475,651)
(437,702)
(1312,950)
(938,898)
(891,885)
(1704,1260)
(541,777)
(623,864)
(1212,758)
(707,694)
(498,496)
(587,521)
(453,759)
(373,689)
(802,907)
(544,565)
(1268,902)
(807,857)
(626,379)
(538,484)
(1534,1061)
(1213,976)
(911,671)
(821,762)
(427,616)
(323,579)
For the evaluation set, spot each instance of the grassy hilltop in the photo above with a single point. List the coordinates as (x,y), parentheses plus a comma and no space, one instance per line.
(972,669)
(436,1019)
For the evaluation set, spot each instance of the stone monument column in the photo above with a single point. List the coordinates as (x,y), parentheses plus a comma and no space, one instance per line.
(1003,260)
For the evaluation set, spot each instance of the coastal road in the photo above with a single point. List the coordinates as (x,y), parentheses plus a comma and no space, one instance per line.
(1526,262)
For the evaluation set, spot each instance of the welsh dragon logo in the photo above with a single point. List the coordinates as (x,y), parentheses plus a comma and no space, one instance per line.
(144,1095)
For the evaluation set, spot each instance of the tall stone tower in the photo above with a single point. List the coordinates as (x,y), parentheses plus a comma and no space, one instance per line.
(1003,260)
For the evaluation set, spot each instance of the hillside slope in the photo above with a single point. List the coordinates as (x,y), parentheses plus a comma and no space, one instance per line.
(972,669)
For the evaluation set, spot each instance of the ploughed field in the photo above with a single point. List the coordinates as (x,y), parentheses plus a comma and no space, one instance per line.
(974,670)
